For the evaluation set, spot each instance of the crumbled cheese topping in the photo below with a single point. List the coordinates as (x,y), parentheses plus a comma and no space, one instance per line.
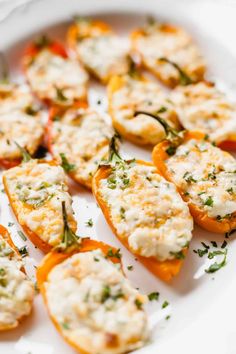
(104,55)
(147,211)
(207,175)
(56,78)
(83,136)
(95,305)
(138,95)
(16,291)
(15,97)
(37,191)
(25,129)
(158,41)
(203,107)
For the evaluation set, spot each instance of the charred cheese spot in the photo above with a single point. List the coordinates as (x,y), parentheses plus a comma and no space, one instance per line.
(95,306)
(147,211)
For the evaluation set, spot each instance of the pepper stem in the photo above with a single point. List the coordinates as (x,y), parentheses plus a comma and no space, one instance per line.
(25,155)
(171,134)
(184,79)
(4,69)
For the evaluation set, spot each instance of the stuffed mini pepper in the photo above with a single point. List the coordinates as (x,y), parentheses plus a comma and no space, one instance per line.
(90,301)
(100,50)
(145,212)
(204,108)
(16,290)
(169,52)
(20,122)
(204,175)
(36,189)
(53,76)
(129,93)
(79,139)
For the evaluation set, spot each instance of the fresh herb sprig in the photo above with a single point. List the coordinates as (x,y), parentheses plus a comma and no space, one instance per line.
(69,238)
(25,155)
(184,79)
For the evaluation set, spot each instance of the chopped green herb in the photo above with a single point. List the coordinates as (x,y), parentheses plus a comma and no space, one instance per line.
(113,254)
(178,255)
(130,267)
(215,253)
(165,304)
(200,252)
(138,304)
(217,266)
(227,234)
(89,223)
(205,245)
(60,95)
(65,325)
(96,259)
(214,244)
(68,167)
(167,317)
(22,236)
(122,213)
(162,110)
(224,244)
(106,293)
(10,224)
(171,150)
(153,296)
(189,178)
(23,251)
(209,201)
(42,42)
(230,190)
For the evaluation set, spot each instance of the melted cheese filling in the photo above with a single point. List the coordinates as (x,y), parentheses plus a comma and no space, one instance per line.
(14,97)
(207,175)
(17,126)
(202,107)
(104,55)
(83,137)
(16,291)
(56,78)
(176,45)
(147,211)
(136,95)
(37,191)
(95,305)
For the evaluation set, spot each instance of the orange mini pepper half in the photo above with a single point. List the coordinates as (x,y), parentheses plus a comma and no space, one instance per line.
(34,237)
(165,270)
(55,257)
(160,156)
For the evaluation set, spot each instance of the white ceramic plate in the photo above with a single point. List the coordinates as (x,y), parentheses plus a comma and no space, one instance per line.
(202,310)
